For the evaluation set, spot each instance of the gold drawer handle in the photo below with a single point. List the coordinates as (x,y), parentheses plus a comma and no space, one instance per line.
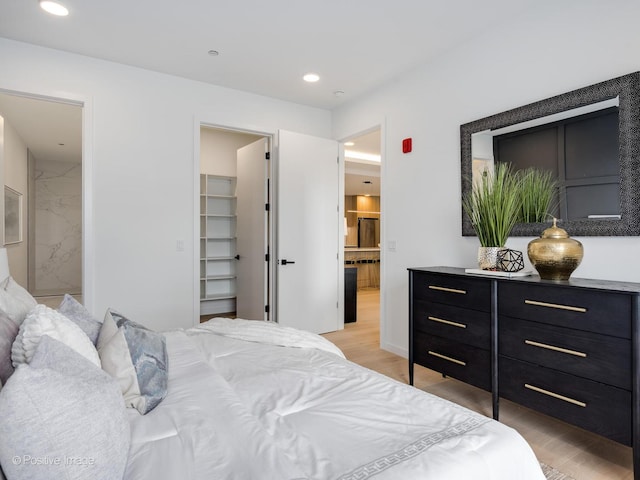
(556,349)
(447,322)
(556,305)
(555,395)
(445,289)
(444,357)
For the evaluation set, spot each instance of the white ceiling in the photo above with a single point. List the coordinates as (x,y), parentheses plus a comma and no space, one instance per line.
(357,172)
(50,130)
(265,46)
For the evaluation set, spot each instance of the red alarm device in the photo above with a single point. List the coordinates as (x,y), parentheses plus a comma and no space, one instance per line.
(406,145)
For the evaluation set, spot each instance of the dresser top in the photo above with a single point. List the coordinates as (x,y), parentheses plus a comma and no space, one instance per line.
(610,285)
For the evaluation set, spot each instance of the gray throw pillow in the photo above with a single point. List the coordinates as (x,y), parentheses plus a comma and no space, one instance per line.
(8,333)
(75,311)
(137,358)
(62,417)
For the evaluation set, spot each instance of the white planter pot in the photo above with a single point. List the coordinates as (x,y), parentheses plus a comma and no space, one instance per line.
(488,257)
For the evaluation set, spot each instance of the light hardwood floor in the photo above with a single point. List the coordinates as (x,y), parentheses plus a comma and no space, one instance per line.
(575,452)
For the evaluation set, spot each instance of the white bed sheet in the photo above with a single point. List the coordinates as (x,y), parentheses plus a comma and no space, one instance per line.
(240,409)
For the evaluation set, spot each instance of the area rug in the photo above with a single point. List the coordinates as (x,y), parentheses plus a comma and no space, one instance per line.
(552,474)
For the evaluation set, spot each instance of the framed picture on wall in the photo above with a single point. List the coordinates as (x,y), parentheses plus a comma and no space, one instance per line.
(12,216)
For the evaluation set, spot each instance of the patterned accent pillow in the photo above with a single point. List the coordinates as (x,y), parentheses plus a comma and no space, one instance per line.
(8,333)
(15,301)
(75,311)
(43,320)
(137,358)
(63,408)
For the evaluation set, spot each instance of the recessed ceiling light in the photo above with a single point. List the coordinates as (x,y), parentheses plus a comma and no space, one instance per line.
(349,144)
(54,8)
(338,93)
(311,77)
(213,53)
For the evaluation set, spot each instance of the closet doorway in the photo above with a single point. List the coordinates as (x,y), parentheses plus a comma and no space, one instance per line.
(41,162)
(234,224)
(363,226)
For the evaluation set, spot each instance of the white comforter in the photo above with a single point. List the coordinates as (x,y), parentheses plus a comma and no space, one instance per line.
(239,409)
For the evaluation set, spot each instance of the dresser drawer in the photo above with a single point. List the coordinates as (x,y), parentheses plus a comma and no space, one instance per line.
(471,327)
(459,291)
(595,311)
(599,408)
(468,364)
(597,357)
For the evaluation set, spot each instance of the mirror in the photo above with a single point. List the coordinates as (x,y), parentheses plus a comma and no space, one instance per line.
(612,188)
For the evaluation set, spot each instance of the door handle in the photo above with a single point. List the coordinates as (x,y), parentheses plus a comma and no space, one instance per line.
(237,257)
(286,262)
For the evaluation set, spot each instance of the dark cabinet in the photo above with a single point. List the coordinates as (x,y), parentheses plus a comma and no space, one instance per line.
(450,326)
(567,349)
(350,294)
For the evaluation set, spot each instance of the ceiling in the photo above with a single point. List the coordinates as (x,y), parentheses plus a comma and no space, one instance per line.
(50,130)
(362,177)
(265,47)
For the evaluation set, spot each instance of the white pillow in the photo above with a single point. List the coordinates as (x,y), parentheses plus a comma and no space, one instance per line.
(15,301)
(43,320)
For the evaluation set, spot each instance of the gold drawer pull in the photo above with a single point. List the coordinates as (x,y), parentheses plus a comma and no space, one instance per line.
(445,289)
(557,349)
(447,322)
(556,305)
(444,357)
(555,395)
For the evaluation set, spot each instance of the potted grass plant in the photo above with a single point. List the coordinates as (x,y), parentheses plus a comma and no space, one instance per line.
(494,207)
(537,193)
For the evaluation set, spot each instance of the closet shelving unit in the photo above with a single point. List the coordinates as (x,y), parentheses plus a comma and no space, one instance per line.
(217,244)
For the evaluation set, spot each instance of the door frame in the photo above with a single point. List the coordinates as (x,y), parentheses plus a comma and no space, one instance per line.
(367,128)
(88,230)
(269,135)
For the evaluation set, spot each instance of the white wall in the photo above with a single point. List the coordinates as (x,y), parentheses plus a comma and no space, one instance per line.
(219,150)
(15,177)
(559,47)
(140,131)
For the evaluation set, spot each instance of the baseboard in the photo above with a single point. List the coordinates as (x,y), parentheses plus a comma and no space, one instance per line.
(398,350)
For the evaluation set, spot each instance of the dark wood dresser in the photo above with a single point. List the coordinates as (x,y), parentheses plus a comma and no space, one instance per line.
(568,349)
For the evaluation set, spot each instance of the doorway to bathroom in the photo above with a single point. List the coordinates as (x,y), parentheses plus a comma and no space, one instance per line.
(41,164)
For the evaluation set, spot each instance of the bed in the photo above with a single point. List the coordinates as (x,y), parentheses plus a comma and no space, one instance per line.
(239,400)
(302,411)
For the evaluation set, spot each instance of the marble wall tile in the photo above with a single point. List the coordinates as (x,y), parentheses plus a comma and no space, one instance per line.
(58,227)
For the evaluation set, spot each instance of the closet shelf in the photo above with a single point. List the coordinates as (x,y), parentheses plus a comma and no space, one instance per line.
(218,243)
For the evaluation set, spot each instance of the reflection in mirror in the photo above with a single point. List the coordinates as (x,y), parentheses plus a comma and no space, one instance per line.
(588,138)
(580,148)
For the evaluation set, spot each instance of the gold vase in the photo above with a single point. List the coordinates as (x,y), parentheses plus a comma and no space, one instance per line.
(555,255)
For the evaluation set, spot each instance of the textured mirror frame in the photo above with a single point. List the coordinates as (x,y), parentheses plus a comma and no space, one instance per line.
(627,88)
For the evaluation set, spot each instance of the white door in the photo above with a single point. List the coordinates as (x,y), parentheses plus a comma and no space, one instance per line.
(308,233)
(251,231)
